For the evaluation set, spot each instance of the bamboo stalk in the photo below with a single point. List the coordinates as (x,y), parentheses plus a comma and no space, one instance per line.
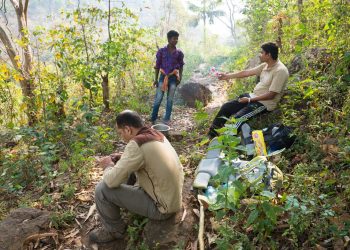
(202,202)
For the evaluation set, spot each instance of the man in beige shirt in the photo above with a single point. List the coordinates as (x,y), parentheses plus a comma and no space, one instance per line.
(266,94)
(158,191)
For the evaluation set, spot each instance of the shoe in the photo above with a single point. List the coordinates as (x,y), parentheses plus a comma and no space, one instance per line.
(166,122)
(101,235)
(151,121)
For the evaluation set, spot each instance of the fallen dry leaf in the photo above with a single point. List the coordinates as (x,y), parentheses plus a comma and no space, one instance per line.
(346,239)
(91,211)
(40,236)
(78,223)
(211,238)
(56,196)
(84,197)
(319,247)
(72,233)
(214,224)
(94,247)
(183,215)
(196,212)
(77,242)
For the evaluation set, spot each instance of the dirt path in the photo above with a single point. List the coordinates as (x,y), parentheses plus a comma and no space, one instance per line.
(76,237)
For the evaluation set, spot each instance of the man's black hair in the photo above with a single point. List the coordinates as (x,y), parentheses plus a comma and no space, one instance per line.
(172,33)
(129,118)
(271,48)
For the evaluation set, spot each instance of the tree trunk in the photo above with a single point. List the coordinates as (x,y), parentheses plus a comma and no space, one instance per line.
(60,112)
(301,17)
(105,91)
(280,33)
(204,25)
(300,11)
(29,100)
(232,25)
(25,70)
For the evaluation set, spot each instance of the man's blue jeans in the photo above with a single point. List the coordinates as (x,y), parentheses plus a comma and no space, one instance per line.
(159,97)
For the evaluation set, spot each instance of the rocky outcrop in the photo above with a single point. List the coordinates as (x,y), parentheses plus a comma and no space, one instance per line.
(195,91)
(19,225)
(253,62)
(198,88)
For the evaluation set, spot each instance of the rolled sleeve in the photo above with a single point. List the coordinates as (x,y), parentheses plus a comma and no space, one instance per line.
(257,70)
(158,59)
(279,81)
(131,161)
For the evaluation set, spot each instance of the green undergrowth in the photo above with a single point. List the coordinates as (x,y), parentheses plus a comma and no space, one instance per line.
(312,207)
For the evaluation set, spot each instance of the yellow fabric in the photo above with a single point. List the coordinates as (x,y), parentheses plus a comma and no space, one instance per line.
(166,78)
(158,170)
(271,79)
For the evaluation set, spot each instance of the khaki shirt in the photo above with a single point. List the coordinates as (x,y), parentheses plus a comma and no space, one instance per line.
(271,79)
(158,169)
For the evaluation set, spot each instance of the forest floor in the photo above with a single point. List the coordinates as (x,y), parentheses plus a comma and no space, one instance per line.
(73,233)
(183,124)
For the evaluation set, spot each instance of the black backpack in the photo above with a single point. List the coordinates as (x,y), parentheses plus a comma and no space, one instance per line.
(276,137)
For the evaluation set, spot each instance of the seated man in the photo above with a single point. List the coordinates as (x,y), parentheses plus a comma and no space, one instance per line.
(267,93)
(159,173)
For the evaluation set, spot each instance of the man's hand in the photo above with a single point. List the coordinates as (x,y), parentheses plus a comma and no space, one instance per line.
(105,162)
(115,157)
(244,100)
(224,76)
(178,81)
(155,83)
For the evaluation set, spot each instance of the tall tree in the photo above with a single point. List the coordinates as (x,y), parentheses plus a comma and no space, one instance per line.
(20,55)
(231,23)
(98,48)
(205,11)
(104,76)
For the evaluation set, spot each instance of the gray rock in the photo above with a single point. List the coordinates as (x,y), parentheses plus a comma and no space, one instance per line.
(195,91)
(296,65)
(20,224)
(253,62)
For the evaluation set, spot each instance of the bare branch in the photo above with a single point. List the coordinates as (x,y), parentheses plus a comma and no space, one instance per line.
(26,8)
(228,26)
(20,5)
(9,47)
(15,4)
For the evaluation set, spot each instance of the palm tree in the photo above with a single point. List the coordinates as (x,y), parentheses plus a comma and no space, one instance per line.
(207,10)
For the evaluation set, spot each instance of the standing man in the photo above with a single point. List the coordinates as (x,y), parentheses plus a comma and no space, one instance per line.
(159,174)
(266,94)
(169,63)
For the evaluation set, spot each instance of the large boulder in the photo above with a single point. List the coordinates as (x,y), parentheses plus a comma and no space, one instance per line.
(20,224)
(296,65)
(195,91)
(198,88)
(253,62)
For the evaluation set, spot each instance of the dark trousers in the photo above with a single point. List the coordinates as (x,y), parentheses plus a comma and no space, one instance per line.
(236,109)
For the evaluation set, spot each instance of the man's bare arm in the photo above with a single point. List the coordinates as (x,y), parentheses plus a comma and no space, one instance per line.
(267,96)
(240,74)
(156,75)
